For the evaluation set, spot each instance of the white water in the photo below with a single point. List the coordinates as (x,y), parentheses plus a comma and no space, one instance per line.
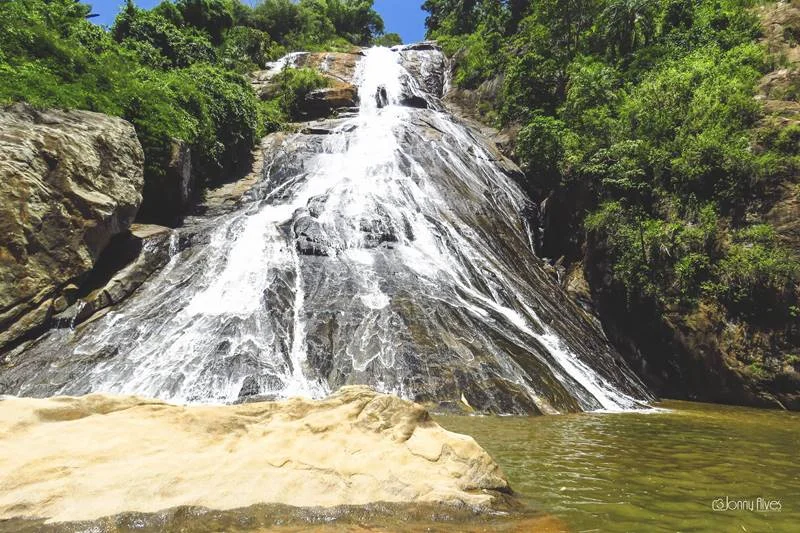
(246,307)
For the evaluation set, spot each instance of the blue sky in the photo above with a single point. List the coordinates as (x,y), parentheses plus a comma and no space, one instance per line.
(401,16)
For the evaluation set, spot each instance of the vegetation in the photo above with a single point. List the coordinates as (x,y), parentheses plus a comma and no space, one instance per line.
(175,71)
(648,106)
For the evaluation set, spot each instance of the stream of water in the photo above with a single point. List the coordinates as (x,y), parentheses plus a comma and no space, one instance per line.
(388,247)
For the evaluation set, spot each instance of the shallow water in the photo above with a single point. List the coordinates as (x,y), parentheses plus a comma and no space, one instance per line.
(660,471)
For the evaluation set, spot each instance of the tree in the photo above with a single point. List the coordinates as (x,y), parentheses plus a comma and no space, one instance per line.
(388,40)
(628,23)
(279,18)
(213,16)
(181,47)
(355,20)
(517,9)
(452,17)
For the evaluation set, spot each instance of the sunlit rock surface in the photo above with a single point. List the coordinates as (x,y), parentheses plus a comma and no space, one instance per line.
(67,459)
(69,181)
(390,247)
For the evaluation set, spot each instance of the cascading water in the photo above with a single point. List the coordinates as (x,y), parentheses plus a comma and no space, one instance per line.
(387,248)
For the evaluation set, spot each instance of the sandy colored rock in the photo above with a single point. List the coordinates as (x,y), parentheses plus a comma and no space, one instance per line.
(323,102)
(69,459)
(69,181)
(340,66)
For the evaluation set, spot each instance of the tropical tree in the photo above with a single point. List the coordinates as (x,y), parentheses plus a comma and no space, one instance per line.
(453,17)
(213,16)
(627,24)
(355,20)
(279,18)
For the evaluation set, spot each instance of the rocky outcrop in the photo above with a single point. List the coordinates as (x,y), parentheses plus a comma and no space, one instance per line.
(69,459)
(127,262)
(781,28)
(338,67)
(352,261)
(323,102)
(784,215)
(69,181)
(228,196)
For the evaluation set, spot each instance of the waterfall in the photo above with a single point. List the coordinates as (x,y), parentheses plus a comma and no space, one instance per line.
(389,249)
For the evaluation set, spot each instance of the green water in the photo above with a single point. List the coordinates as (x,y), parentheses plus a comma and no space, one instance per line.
(659,471)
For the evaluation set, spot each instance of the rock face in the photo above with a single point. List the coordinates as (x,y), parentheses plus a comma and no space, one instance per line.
(387,248)
(68,459)
(322,102)
(69,181)
(340,66)
(125,265)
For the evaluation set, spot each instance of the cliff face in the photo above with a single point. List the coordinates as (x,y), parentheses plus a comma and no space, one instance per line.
(707,353)
(386,245)
(69,181)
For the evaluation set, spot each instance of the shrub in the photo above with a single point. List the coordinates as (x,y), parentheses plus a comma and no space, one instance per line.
(293,86)
(540,149)
(757,276)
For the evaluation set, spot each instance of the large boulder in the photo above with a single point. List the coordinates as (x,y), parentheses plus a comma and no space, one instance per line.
(69,181)
(354,448)
(323,102)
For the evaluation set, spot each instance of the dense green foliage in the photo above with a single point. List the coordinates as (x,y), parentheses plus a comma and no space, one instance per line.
(649,106)
(291,86)
(174,71)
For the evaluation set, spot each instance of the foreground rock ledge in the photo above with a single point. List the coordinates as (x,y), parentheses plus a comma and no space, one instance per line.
(68,459)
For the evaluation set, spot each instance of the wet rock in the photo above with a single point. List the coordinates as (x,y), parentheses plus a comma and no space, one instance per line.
(427,69)
(69,181)
(414,101)
(381,98)
(148,244)
(393,254)
(378,229)
(422,46)
(310,236)
(354,448)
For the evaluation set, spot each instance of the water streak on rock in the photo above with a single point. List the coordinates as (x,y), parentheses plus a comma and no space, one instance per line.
(387,248)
